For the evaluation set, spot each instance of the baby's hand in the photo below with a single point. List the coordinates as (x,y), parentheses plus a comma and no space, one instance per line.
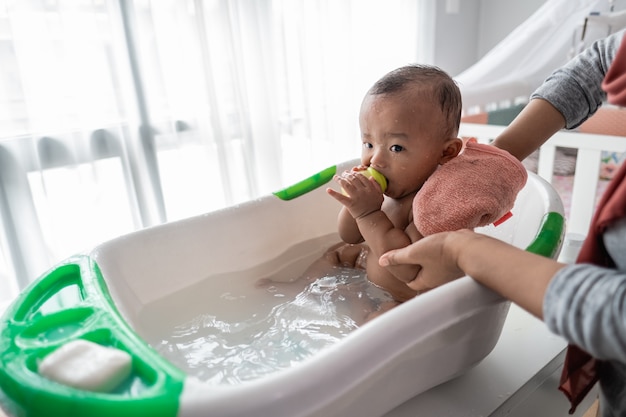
(358,168)
(361,196)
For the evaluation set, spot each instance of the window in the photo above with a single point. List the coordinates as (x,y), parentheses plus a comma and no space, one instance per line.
(117,115)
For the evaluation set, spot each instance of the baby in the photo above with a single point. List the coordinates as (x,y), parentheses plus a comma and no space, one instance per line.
(409,121)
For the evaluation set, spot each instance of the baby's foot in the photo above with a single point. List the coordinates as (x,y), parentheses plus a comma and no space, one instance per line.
(264,283)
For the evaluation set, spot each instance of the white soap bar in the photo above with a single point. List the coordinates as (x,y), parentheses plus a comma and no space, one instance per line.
(86,365)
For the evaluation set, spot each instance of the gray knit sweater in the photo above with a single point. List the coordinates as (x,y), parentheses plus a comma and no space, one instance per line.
(586,304)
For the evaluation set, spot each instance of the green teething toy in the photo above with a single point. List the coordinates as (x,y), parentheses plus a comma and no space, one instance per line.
(380,178)
(372,173)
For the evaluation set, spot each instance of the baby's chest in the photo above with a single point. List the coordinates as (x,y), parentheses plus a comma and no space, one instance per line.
(399,212)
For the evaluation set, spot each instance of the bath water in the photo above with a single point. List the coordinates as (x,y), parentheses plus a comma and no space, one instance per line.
(254,330)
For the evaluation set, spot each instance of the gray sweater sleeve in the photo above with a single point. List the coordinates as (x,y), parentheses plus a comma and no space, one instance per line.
(586,305)
(575,89)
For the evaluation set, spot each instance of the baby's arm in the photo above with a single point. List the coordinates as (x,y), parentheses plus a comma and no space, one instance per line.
(362,203)
(348,229)
(382,236)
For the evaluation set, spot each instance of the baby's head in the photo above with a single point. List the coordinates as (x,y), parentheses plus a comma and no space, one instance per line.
(427,83)
(409,124)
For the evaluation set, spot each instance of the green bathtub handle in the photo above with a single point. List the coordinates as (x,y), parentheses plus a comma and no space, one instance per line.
(548,240)
(28,333)
(307,185)
(48,286)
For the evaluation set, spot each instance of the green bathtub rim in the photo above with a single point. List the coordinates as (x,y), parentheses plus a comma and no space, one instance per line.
(307,185)
(153,390)
(548,240)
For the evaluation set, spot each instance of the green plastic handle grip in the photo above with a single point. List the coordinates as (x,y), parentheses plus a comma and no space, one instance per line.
(33,326)
(307,185)
(548,240)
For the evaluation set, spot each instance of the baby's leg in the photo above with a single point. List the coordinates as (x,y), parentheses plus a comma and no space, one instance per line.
(339,255)
(360,305)
(383,308)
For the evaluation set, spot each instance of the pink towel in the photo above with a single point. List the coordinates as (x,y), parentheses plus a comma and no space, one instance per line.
(476,188)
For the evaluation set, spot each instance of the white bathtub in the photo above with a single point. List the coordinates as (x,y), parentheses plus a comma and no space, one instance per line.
(416,346)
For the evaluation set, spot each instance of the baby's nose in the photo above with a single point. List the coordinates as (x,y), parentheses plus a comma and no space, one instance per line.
(377,159)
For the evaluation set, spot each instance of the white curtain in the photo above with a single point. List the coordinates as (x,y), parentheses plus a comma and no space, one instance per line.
(121,114)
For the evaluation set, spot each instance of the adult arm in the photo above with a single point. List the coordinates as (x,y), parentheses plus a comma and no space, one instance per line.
(517,275)
(586,304)
(535,124)
(568,97)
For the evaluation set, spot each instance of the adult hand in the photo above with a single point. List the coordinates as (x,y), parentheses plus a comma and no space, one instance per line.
(435,254)
(514,273)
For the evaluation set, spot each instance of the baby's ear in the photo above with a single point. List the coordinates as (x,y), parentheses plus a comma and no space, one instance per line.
(451,148)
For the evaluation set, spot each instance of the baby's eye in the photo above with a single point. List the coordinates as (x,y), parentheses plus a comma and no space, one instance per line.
(367,145)
(396,148)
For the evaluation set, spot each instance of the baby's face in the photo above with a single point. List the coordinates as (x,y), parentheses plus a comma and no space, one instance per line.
(402,139)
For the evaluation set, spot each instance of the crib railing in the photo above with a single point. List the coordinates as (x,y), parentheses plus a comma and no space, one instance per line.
(589,146)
